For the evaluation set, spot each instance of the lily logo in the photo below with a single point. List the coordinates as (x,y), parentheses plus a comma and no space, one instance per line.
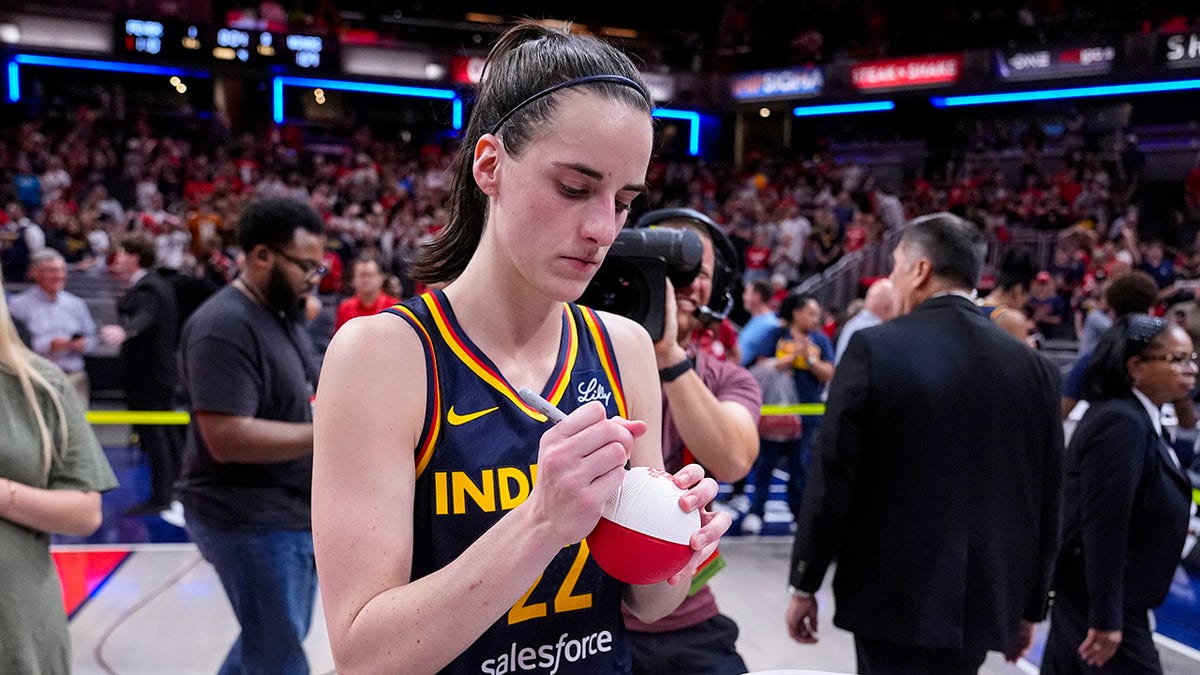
(455,419)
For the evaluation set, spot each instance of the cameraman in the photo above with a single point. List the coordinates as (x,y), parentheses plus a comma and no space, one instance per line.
(710,416)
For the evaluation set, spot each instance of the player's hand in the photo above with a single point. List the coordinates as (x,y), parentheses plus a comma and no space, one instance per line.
(700,493)
(581,463)
(59,344)
(801,619)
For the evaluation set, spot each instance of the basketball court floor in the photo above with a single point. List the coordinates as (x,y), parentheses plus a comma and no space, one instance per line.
(143,602)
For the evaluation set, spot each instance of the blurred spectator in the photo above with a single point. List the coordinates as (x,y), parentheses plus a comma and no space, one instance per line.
(1047,308)
(60,323)
(879,305)
(797,346)
(20,237)
(1131,293)
(368,298)
(147,334)
(1005,305)
(1157,265)
(757,300)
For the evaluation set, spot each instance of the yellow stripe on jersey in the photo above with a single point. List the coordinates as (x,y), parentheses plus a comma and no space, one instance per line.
(425,445)
(564,376)
(485,373)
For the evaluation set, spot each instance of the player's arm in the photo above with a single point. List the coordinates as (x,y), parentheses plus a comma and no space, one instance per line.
(1014,322)
(370,411)
(639,373)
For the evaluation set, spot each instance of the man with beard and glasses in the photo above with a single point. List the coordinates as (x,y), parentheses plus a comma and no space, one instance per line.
(249,374)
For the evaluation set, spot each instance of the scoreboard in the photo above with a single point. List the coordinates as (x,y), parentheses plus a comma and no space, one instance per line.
(173,41)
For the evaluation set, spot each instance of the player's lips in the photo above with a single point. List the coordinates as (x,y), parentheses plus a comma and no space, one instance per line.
(584,264)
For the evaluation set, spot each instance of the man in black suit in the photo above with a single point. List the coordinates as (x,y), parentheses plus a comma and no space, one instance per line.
(936,478)
(148,337)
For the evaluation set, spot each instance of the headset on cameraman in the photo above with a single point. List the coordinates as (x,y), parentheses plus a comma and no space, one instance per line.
(726,262)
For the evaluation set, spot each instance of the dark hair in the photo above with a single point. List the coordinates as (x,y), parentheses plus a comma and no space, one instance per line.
(763,289)
(1017,268)
(1107,375)
(954,246)
(367,259)
(526,60)
(142,247)
(273,221)
(792,302)
(1132,293)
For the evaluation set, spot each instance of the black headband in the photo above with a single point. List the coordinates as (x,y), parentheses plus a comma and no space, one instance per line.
(613,79)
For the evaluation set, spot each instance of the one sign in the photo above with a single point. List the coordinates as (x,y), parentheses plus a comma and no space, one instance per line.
(921,71)
(1181,50)
(1052,62)
(785,83)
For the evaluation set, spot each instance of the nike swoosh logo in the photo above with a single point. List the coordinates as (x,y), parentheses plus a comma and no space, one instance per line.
(456,419)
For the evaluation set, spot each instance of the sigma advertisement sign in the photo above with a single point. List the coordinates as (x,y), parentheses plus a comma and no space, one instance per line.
(908,73)
(1051,62)
(786,83)
(1181,50)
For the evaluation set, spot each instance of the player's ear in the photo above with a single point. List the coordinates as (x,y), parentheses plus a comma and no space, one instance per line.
(488,151)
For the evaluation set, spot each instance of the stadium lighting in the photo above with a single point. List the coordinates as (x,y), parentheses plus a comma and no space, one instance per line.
(14,82)
(843,108)
(18,60)
(1072,92)
(282,81)
(690,116)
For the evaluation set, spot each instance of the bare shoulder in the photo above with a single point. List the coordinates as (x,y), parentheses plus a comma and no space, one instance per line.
(375,366)
(628,336)
(639,378)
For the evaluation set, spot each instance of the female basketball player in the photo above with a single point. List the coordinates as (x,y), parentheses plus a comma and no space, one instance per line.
(447,513)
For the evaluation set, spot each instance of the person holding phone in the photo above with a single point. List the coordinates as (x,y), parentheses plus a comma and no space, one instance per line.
(59,322)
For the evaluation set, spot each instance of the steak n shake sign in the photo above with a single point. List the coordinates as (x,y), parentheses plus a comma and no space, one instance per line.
(920,71)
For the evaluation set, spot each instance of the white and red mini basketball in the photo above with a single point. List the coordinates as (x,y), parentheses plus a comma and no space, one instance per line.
(643,536)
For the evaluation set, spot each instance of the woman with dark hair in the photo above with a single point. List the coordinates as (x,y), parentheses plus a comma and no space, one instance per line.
(1126,503)
(448,516)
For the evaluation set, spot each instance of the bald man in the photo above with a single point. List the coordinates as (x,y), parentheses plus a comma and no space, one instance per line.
(878,306)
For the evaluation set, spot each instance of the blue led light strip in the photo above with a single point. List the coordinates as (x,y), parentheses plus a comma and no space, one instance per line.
(14,69)
(843,108)
(365,87)
(1073,92)
(14,82)
(690,116)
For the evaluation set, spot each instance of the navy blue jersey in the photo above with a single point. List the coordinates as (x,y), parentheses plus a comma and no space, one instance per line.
(477,459)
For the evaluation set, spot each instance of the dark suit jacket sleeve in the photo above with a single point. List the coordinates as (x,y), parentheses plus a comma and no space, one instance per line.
(1051,518)
(146,306)
(834,474)
(1111,460)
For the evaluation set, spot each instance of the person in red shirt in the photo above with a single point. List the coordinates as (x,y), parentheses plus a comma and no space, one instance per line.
(368,297)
